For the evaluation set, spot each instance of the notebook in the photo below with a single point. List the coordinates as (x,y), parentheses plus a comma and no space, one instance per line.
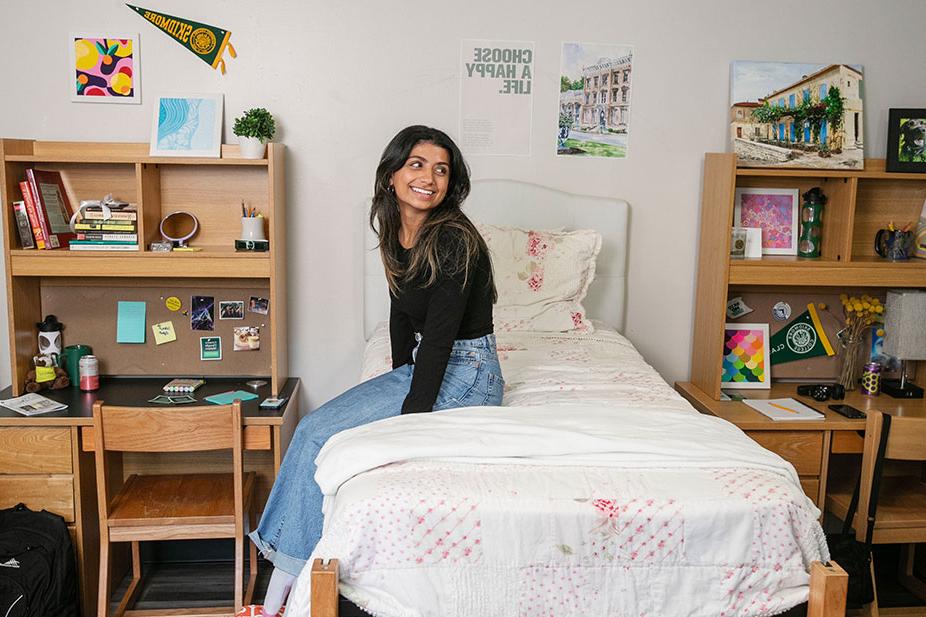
(784,409)
(227,398)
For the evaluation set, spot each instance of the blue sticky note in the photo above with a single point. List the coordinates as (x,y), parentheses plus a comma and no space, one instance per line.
(227,398)
(130,324)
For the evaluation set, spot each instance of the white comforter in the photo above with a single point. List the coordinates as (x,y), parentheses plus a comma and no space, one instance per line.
(500,511)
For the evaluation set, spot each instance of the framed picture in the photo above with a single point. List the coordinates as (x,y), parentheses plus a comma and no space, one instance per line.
(746,362)
(906,140)
(187,125)
(775,211)
(104,68)
(797,114)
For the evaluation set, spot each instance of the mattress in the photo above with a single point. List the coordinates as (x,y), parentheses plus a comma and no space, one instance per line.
(595,489)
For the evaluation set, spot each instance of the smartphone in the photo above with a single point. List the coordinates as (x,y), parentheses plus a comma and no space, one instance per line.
(848,411)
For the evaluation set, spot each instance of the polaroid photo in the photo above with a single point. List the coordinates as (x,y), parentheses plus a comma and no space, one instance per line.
(231,309)
(259,305)
(247,338)
(161,399)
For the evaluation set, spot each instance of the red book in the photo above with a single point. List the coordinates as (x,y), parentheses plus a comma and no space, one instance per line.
(40,241)
(51,206)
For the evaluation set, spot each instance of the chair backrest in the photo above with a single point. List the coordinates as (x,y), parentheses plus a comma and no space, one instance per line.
(174,429)
(178,429)
(906,441)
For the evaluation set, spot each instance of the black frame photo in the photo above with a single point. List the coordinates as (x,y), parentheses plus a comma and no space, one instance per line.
(906,141)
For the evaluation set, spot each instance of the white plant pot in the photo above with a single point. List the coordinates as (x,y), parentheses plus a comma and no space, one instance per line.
(252,147)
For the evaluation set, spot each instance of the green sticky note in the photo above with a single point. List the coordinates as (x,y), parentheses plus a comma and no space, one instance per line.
(227,398)
(130,322)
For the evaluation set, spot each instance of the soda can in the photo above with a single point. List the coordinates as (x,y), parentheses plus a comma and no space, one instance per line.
(871,379)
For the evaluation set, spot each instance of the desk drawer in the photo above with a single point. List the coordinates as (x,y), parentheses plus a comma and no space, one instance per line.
(803,449)
(32,449)
(52,493)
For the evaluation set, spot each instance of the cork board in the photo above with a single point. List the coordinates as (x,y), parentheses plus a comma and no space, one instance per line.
(820,367)
(89,312)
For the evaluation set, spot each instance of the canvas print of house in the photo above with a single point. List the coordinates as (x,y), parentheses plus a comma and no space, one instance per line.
(797,115)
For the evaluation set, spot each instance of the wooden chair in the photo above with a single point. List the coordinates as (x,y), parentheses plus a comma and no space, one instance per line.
(900,515)
(170,507)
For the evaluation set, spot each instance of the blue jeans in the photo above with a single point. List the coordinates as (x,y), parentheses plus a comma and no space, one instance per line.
(291,524)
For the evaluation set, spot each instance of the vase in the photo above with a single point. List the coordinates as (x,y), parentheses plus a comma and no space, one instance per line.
(251,147)
(851,362)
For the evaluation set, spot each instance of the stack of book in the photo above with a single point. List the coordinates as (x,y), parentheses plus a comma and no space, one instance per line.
(119,232)
(47,211)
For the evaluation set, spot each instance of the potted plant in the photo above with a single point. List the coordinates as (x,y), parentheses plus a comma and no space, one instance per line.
(254,129)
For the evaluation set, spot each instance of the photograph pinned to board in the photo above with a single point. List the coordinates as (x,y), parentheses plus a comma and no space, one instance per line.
(745,361)
(210,348)
(789,114)
(187,125)
(202,315)
(775,211)
(594,100)
(231,309)
(496,96)
(105,68)
(246,338)
(258,305)
(208,43)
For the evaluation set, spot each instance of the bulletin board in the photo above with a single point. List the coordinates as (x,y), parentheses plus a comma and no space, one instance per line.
(89,313)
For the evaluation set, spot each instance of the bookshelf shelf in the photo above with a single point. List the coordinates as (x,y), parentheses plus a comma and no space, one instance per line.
(83,287)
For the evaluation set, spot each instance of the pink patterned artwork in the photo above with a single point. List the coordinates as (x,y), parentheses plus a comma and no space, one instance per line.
(775,212)
(104,69)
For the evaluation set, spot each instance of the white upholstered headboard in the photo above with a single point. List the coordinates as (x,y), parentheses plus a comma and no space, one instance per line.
(529,206)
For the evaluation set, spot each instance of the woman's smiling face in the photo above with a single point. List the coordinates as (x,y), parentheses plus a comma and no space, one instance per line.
(423,180)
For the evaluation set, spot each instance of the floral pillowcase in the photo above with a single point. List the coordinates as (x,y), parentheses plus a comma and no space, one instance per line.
(542,277)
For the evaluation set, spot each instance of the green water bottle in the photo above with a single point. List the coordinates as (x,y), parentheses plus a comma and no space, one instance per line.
(811,237)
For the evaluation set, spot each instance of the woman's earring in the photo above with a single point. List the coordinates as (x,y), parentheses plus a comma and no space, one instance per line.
(392,189)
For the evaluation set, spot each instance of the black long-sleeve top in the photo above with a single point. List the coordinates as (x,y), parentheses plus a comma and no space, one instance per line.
(443,312)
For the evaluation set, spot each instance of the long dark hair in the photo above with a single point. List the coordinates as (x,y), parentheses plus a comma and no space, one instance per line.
(425,263)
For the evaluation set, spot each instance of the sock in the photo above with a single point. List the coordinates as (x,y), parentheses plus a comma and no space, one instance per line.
(277,591)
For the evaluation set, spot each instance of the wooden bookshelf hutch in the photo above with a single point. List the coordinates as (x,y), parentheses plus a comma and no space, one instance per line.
(46,461)
(859,203)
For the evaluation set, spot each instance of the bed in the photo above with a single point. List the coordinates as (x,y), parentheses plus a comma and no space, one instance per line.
(595,489)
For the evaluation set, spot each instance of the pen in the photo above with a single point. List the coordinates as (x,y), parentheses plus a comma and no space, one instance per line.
(783,407)
(243,212)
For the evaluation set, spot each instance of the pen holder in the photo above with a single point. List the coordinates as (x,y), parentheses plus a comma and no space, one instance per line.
(252,228)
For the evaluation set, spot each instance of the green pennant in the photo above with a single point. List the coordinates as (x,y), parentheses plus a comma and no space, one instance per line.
(801,339)
(208,43)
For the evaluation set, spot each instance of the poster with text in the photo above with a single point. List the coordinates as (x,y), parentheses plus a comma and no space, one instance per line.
(594,100)
(496,103)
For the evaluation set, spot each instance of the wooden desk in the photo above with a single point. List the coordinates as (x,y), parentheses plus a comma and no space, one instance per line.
(47,461)
(808,445)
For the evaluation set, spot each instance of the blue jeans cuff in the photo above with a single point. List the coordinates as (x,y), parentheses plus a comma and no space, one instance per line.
(290,565)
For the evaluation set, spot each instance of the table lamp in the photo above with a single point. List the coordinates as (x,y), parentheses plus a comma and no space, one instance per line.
(904,338)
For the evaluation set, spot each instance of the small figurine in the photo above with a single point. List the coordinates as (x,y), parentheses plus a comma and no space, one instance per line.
(46,375)
(50,336)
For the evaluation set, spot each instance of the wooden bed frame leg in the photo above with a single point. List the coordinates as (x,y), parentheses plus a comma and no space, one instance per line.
(828,584)
(325,588)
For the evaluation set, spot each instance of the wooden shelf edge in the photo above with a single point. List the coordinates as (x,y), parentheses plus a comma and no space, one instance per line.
(831,274)
(121,153)
(115,264)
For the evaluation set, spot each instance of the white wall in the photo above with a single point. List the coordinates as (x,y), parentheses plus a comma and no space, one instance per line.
(343,77)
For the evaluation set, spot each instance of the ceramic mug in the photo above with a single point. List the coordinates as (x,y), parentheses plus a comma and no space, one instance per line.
(894,244)
(70,361)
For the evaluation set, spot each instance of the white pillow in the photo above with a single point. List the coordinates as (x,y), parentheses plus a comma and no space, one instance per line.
(542,277)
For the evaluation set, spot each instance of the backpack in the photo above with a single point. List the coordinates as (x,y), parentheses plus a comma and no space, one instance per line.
(38,573)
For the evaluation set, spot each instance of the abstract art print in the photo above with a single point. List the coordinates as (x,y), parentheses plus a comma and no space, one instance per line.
(746,356)
(775,211)
(104,69)
(792,114)
(187,125)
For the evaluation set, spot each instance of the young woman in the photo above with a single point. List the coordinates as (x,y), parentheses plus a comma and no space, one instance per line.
(440,324)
